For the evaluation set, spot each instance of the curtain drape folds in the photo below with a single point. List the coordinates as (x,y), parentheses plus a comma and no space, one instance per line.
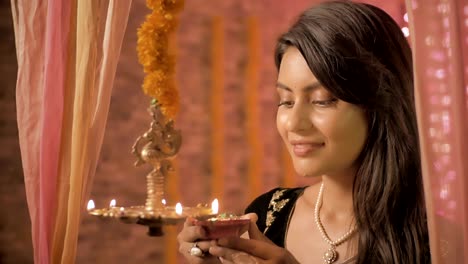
(67,57)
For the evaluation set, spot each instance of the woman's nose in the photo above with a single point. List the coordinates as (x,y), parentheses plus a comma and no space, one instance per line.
(298,119)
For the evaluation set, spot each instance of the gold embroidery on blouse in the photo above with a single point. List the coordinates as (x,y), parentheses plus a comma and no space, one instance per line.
(269,219)
(277,195)
(279,205)
(275,206)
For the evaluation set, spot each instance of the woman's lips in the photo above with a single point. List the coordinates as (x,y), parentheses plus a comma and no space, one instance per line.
(304,149)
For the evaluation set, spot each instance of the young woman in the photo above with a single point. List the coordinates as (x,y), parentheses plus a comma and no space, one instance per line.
(346,114)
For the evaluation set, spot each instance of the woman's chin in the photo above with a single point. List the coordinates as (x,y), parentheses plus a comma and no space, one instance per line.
(308,173)
(308,167)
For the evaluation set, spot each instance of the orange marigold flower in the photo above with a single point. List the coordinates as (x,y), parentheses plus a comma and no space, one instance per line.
(153,54)
(155,4)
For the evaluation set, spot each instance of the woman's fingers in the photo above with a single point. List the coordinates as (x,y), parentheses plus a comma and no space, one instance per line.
(191,232)
(254,232)
(261,251)
(258,248)
(250,246)
(228,256)
(204,246)
(253,220)
(194,237)
(186,247)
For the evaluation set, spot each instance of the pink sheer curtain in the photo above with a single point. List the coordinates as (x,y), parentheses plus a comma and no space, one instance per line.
(439,34)
(56,46)
(67,56)
(30,28)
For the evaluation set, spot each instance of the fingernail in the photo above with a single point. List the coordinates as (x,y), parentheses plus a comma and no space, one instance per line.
(214,250)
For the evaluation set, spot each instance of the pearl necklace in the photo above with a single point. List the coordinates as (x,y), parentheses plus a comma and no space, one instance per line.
(331,255)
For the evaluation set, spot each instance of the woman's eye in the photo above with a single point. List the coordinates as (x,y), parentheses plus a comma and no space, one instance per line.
(325,103)
(288,104)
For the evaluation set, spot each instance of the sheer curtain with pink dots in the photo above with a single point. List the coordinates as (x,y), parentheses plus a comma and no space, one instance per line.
(439,38)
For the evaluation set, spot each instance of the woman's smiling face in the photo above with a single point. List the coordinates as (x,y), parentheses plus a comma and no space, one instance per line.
(323,134)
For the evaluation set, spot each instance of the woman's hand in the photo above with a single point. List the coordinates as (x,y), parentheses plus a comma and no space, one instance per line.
(187,238)
(257,249)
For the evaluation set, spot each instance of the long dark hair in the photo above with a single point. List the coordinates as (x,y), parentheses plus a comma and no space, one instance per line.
(360,55)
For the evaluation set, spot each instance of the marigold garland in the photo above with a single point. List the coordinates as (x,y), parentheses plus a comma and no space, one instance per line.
(153,54)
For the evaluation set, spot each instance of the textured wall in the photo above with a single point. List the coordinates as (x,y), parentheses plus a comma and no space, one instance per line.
(15,226)
(243,119)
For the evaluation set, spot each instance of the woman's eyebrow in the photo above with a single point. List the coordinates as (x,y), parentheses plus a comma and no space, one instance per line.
(306,89)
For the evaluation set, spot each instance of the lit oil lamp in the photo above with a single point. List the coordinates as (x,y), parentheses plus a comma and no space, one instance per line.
(156,147)
(224,225)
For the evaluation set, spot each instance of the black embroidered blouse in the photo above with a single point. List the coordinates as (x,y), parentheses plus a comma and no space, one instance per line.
(274,209)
